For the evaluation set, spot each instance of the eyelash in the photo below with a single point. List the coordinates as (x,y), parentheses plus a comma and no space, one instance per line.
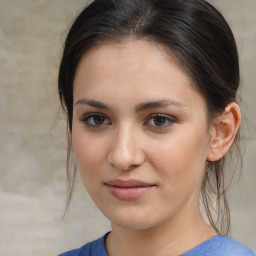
(165,117)
(86,120)
(87,117)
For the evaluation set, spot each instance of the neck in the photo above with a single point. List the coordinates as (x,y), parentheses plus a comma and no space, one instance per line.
(170,238)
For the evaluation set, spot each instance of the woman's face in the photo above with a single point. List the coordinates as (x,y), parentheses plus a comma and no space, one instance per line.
(140,134)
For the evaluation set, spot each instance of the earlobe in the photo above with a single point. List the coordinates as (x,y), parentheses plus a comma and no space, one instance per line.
(224,133)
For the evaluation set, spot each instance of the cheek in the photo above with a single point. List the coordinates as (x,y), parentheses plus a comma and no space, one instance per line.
(89,154)
(181,158)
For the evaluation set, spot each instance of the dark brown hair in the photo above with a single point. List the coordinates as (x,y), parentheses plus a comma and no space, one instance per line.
(201,40)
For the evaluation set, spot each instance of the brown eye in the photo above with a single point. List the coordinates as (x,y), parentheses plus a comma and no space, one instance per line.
(95,120)
(99,120)
(160,121)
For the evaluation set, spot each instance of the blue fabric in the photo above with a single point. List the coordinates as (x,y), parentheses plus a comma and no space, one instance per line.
(215,246)
(95,248)
(220,246)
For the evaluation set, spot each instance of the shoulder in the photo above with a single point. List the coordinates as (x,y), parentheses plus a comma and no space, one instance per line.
(94,248)
(220,246)
(230,247)
(85,250)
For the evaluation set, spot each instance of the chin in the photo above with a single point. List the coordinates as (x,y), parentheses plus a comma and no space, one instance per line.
(132,224)
(133,220)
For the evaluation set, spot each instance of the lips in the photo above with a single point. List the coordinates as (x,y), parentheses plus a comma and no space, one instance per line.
(128,189)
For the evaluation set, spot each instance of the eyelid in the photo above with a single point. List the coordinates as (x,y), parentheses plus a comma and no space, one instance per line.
(171,120)
(86,117)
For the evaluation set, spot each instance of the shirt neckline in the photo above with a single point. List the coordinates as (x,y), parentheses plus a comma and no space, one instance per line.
(99,248)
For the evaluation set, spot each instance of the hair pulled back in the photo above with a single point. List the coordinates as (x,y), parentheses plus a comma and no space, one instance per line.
(199,38)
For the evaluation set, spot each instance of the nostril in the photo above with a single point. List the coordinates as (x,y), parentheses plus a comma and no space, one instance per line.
(123,162)
(130,167)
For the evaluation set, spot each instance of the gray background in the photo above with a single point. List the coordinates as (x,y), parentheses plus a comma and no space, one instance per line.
(32,131)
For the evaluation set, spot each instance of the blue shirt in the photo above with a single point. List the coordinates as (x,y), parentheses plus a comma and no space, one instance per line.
(215,246)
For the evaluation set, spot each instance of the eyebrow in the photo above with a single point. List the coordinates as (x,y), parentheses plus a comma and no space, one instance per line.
(157,104)
(139,108)
(93,103)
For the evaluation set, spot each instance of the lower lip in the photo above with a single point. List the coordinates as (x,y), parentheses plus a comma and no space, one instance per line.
(132,193)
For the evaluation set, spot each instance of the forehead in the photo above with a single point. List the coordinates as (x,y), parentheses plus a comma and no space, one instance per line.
(139,53)
(135,68)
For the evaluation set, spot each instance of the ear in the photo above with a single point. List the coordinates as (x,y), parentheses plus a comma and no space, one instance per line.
(223,134)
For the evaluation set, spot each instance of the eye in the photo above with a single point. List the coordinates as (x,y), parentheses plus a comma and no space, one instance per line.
(160,121)
(95,120)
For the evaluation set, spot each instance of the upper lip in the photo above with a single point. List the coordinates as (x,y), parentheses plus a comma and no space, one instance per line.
(131,183)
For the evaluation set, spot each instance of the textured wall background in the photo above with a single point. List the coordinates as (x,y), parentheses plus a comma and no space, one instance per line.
(32,133)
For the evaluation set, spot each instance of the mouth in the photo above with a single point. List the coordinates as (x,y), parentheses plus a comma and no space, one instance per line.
(128,189)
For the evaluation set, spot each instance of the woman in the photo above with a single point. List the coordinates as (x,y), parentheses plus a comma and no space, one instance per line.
(149,88)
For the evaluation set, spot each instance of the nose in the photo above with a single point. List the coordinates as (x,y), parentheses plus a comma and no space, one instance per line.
(126,151)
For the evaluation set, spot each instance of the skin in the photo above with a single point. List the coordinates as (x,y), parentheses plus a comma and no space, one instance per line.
(123,141)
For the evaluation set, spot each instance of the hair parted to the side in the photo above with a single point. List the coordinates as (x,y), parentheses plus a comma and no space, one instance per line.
(200,39)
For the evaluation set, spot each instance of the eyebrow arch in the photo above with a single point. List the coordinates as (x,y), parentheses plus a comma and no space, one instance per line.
(92,103)
(157,104)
